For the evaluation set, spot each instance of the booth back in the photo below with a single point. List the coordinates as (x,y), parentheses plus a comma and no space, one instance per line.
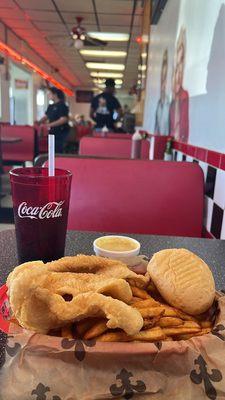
(135,196)
(110,147)
(112,135)
(21,151)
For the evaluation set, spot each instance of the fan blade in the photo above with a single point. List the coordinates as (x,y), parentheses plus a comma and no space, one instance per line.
(89,41)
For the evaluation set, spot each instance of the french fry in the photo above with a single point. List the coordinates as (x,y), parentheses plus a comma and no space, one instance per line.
(202,332)
(114,337)
(96,330)
(149,323)
(150,335)
(185,316)
(66,332)
(174,312)
(151,287)
(170,312)
(150,302)
(191,324)
(84,325)
(206,324)
(169,322)
(179,330)
(149,312)
(135,300)
(142,294)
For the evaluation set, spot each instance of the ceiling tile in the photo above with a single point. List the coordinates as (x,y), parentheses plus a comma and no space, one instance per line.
(113,28)
(7,4)
(45,26)
(38,15)
(11,13)
(114,20)
(18,23)
(36,5)
(75,5)
(115,6)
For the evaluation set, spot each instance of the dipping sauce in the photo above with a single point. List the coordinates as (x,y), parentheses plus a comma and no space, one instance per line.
(115,243)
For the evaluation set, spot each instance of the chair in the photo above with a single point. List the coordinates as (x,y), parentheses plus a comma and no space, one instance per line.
(18,153)
(135,196)
(110,147)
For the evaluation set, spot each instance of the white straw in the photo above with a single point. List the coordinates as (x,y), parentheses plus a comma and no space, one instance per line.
(51,155)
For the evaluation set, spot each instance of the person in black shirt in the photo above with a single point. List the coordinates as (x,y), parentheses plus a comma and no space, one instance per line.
(56,118)
(103,107)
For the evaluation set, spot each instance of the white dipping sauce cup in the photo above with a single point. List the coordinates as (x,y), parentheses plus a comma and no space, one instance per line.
(116,254)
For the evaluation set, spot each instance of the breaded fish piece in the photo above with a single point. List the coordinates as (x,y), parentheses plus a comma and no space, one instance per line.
(118,314)
(42,299)
(98,265)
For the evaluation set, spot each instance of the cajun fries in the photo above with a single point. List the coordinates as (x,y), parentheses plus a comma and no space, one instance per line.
(160,322)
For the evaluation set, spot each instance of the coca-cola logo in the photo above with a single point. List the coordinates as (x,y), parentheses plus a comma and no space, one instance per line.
(52,209)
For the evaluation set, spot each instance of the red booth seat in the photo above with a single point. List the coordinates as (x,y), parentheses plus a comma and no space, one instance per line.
(112,135)
(110,147)
(21,151)
(135,196)
(82,131)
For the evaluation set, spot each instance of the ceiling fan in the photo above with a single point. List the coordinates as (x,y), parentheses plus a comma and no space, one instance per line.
(81,37)
(78,37)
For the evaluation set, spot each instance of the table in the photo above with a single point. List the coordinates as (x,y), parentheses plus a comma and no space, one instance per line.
(212,251)
(6,139)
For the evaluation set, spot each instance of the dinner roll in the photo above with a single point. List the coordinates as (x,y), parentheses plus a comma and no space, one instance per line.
(183,279)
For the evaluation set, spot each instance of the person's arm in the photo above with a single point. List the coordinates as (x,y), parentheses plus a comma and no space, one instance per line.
(120,112)
(92,113)
(58,122)
(118,108)
(42,120)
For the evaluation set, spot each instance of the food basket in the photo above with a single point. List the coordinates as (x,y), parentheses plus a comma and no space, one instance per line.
(43,367)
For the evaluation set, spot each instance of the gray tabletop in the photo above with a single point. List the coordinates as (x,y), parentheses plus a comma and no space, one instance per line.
(211,251)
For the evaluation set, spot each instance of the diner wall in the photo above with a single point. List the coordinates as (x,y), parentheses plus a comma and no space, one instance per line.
(185,92)
(21,47)
(213,166)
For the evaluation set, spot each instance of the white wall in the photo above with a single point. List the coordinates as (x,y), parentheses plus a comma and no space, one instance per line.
(204,73)
(24,49)
(78,108)
(23,98)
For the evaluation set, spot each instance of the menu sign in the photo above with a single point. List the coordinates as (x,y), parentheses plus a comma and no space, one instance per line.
(21,84)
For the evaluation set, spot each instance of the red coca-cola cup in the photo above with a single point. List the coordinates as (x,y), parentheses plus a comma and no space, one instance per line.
(40,205)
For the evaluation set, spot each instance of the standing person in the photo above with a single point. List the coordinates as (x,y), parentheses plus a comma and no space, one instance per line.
(56,118)
(104,106)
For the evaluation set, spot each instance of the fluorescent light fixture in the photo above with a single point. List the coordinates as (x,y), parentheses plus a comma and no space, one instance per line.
(100,85)
(139,81)
(143,55)
(96,74)
(103,53)
(110,36)
(142,67)
(107,66)
(98,80)
(117,81)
